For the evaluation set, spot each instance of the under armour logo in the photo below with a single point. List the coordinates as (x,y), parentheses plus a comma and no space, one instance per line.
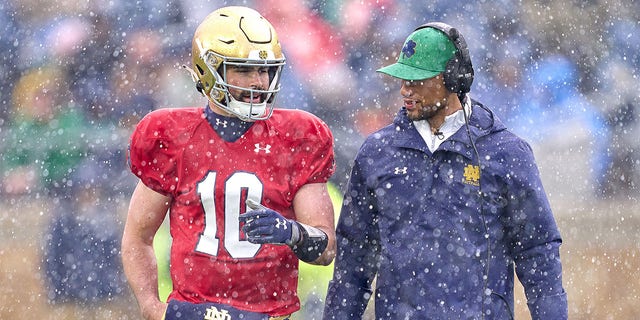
(212,313)
(266,149)
(281,223)
(399,170)
(221,123)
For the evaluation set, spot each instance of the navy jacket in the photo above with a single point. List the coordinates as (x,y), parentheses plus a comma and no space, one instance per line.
(415,219)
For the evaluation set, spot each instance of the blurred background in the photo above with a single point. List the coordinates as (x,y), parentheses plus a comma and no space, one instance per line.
(76,76)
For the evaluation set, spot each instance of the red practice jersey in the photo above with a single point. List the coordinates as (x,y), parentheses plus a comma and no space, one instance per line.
(177,153)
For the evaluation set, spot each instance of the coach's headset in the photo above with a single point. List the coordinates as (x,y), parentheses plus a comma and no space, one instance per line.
(458,77)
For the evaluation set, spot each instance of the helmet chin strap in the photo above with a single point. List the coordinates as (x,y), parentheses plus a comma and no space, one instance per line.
(194,75)
(246,111)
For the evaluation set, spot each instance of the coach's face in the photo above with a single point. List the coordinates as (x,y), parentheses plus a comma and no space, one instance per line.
(424,98)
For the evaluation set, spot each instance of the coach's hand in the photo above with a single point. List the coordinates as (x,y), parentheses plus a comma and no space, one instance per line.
(263,225)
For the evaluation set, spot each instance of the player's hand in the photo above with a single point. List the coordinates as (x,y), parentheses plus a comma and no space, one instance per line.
(264,225)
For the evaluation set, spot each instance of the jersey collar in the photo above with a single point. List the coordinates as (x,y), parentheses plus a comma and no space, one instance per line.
(229,129)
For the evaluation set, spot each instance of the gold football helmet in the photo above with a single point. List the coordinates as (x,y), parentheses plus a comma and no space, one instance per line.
(236,36)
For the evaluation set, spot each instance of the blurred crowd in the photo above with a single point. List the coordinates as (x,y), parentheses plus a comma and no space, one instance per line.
(76,76)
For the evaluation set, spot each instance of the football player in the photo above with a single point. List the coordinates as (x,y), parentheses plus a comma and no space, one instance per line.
(244,184)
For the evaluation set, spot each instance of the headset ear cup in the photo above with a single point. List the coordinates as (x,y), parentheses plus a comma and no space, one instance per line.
(464,71)
(466,79)
(450,75)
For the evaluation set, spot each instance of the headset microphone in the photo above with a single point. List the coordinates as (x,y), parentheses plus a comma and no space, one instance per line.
(439,134)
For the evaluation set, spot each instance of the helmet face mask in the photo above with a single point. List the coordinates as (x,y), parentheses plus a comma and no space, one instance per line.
(237,37)
(222,88)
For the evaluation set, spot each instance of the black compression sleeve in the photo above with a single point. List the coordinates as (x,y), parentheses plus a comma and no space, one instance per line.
(312,243)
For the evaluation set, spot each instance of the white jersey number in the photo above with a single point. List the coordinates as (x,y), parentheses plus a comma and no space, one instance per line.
(233,189)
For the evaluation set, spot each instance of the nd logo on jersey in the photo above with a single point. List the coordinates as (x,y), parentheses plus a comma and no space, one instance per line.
(214,314)
(472,175)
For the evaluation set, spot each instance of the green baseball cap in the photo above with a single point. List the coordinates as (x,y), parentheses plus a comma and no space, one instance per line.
(424,55)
